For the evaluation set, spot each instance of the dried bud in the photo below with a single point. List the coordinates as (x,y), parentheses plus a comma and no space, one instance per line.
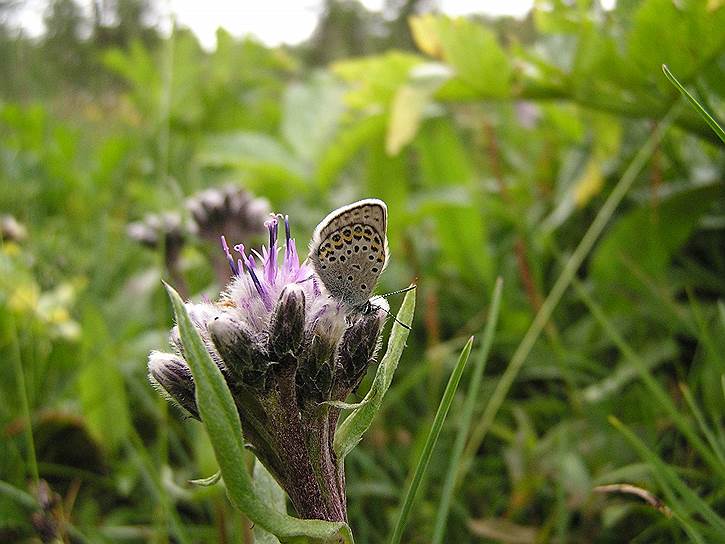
(173,376)
(228,209)
(288,323)
(243,355)
(155,228)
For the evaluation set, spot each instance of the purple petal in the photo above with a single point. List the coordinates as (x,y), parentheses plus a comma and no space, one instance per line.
(225,247)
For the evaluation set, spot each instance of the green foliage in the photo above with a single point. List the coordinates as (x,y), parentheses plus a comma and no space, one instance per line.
(551,151)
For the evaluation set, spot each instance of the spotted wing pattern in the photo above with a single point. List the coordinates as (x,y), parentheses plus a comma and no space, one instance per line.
(349,250)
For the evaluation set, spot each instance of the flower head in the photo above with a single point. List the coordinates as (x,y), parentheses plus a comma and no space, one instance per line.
(229,209)
(284,347)
(167,228)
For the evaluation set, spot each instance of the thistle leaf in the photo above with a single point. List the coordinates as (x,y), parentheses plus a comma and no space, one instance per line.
(270,491)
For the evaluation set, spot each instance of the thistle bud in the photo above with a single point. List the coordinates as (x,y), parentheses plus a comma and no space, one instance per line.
(315,375)
(243,355)
(173,376)
(288,323)
(357,349)
(228,209)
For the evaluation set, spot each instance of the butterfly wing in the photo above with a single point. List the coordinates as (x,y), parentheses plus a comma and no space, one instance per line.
(349,250)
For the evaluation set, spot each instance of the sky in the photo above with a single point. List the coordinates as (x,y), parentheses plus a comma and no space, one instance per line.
(272,21)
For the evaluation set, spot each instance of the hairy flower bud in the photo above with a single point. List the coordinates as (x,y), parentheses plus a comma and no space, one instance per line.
(228,209)
(315,374)
(167,228)
(243,356)
(173,376)
(357,348)
(287,327)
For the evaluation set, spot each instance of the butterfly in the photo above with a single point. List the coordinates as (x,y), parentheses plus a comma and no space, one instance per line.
(349,251)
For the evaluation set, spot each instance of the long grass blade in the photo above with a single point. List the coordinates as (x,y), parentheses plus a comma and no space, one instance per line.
(430,442)
(22,389)
(702,423)
(474,388)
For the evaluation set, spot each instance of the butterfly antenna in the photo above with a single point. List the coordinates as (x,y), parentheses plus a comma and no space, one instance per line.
(391,315)
(399,291)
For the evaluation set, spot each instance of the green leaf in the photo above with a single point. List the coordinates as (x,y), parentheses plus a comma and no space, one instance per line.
(405,116)
(351,430)
(698,33)
(249,150)
(374,80)
(346,146)
(473,51)
(716,128)
(221,420)
(411,103)
(310,116)
(430,442)
(474,388)
(271,493)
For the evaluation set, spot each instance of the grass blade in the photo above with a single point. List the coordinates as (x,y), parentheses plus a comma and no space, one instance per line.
(19,371)
(716,128)
(474,387)
(669,481)
(654,387)
(430,442)
(702,423)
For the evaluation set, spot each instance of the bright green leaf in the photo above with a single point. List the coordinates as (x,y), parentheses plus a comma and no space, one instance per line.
(473,51)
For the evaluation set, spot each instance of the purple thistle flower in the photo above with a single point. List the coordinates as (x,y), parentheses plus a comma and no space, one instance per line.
(284,347)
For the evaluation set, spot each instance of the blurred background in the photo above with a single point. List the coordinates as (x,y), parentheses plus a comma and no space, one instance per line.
(133,133)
